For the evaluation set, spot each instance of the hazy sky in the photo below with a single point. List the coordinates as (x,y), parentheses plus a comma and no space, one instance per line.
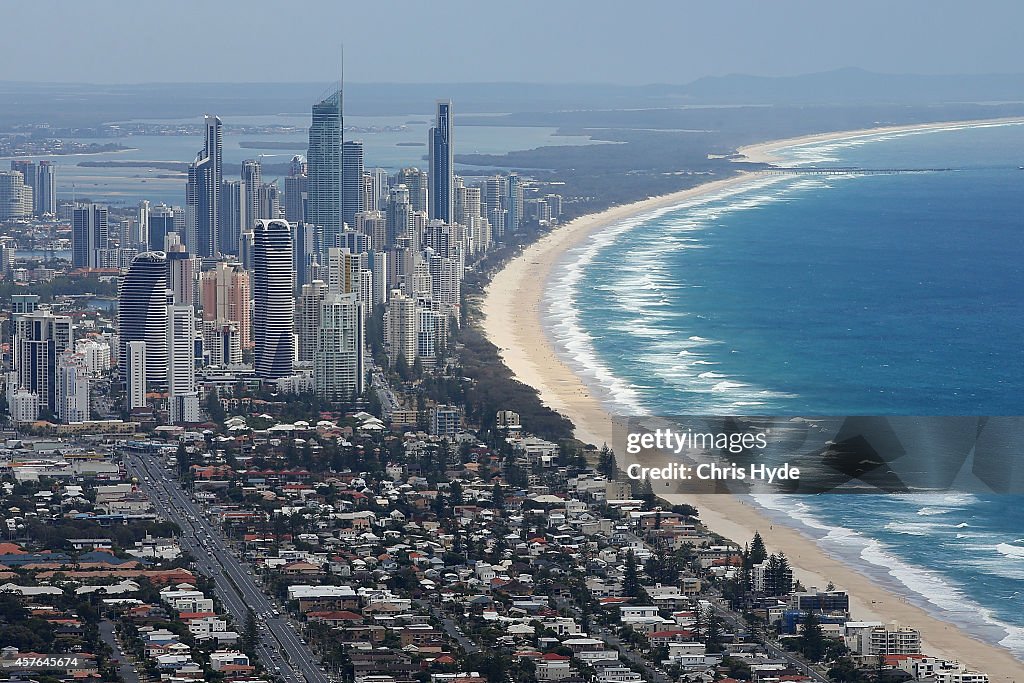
(617,41)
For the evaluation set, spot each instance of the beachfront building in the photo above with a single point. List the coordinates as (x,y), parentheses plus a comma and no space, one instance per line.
(874,638)
(442,164)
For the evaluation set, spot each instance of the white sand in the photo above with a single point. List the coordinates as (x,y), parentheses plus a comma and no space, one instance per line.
(512,321)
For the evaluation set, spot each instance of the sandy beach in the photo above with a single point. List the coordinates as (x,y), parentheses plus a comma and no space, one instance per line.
(512,311)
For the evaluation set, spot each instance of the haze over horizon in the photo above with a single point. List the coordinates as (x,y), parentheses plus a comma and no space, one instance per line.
(103,42)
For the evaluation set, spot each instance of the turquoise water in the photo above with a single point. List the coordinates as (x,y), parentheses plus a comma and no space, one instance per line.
(853,294)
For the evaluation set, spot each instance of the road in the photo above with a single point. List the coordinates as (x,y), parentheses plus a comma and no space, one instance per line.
(279,647)
(625,650)
(124,666)
(736,622)
(449,626)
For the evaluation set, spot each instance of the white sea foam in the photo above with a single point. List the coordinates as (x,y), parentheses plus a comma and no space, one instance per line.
(1014,551)
(928,585)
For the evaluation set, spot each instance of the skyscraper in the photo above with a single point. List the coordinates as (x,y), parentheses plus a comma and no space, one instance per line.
(514,203)
(399,216)
(308,318)
(30,176)
(202,193)
(338,363)
(142,314)
(135,375)
(162,220)
(181,381)
(417,184)
(441,163)
(400,325)
(352,199)
(273,299)
(234,214)
(252,177)
(307,259)
(324,164)
(296,191)
(226,294)
(14,196)
(72,388)
(40,337)
(90,234)
(46,189)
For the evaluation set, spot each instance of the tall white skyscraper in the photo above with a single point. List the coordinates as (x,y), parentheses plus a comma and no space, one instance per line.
(72,388)
(307,314)
(135,375)
(273,299)
(338,363)
(181,364)
(400,326)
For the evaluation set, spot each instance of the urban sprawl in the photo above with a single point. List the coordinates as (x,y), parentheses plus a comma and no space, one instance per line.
(251,439)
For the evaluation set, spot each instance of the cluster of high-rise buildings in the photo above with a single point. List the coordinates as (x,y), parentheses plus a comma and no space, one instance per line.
(245,284)
(28,190)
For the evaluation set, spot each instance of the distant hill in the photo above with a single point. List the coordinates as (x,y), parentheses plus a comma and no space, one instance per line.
(846,86)
(89,105)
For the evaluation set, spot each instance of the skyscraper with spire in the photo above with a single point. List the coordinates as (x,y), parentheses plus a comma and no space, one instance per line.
(203,192)
(441,164)
(325,170)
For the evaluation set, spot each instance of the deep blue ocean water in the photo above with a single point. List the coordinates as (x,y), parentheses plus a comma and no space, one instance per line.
(854,294)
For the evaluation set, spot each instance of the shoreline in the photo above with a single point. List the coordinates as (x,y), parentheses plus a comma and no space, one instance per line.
(512,312)
(764,152)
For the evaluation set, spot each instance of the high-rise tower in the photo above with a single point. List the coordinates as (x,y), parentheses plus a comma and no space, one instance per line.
(273,299)
(203,192)
(142,314)
(324,167)
(352,198)
(441,164)
(40,337)
(90,234)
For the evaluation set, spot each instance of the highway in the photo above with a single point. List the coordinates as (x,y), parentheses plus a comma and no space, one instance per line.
(279,647)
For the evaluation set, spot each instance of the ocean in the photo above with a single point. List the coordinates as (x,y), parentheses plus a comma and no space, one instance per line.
(834,295)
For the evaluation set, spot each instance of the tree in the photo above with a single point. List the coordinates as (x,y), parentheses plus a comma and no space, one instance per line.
(606,462)
(713,638)
(181,455)
(250,635)
(455,493)
(214,410)
(812,640)
(758,553)
(631,580)
(498,496)
(785,576)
